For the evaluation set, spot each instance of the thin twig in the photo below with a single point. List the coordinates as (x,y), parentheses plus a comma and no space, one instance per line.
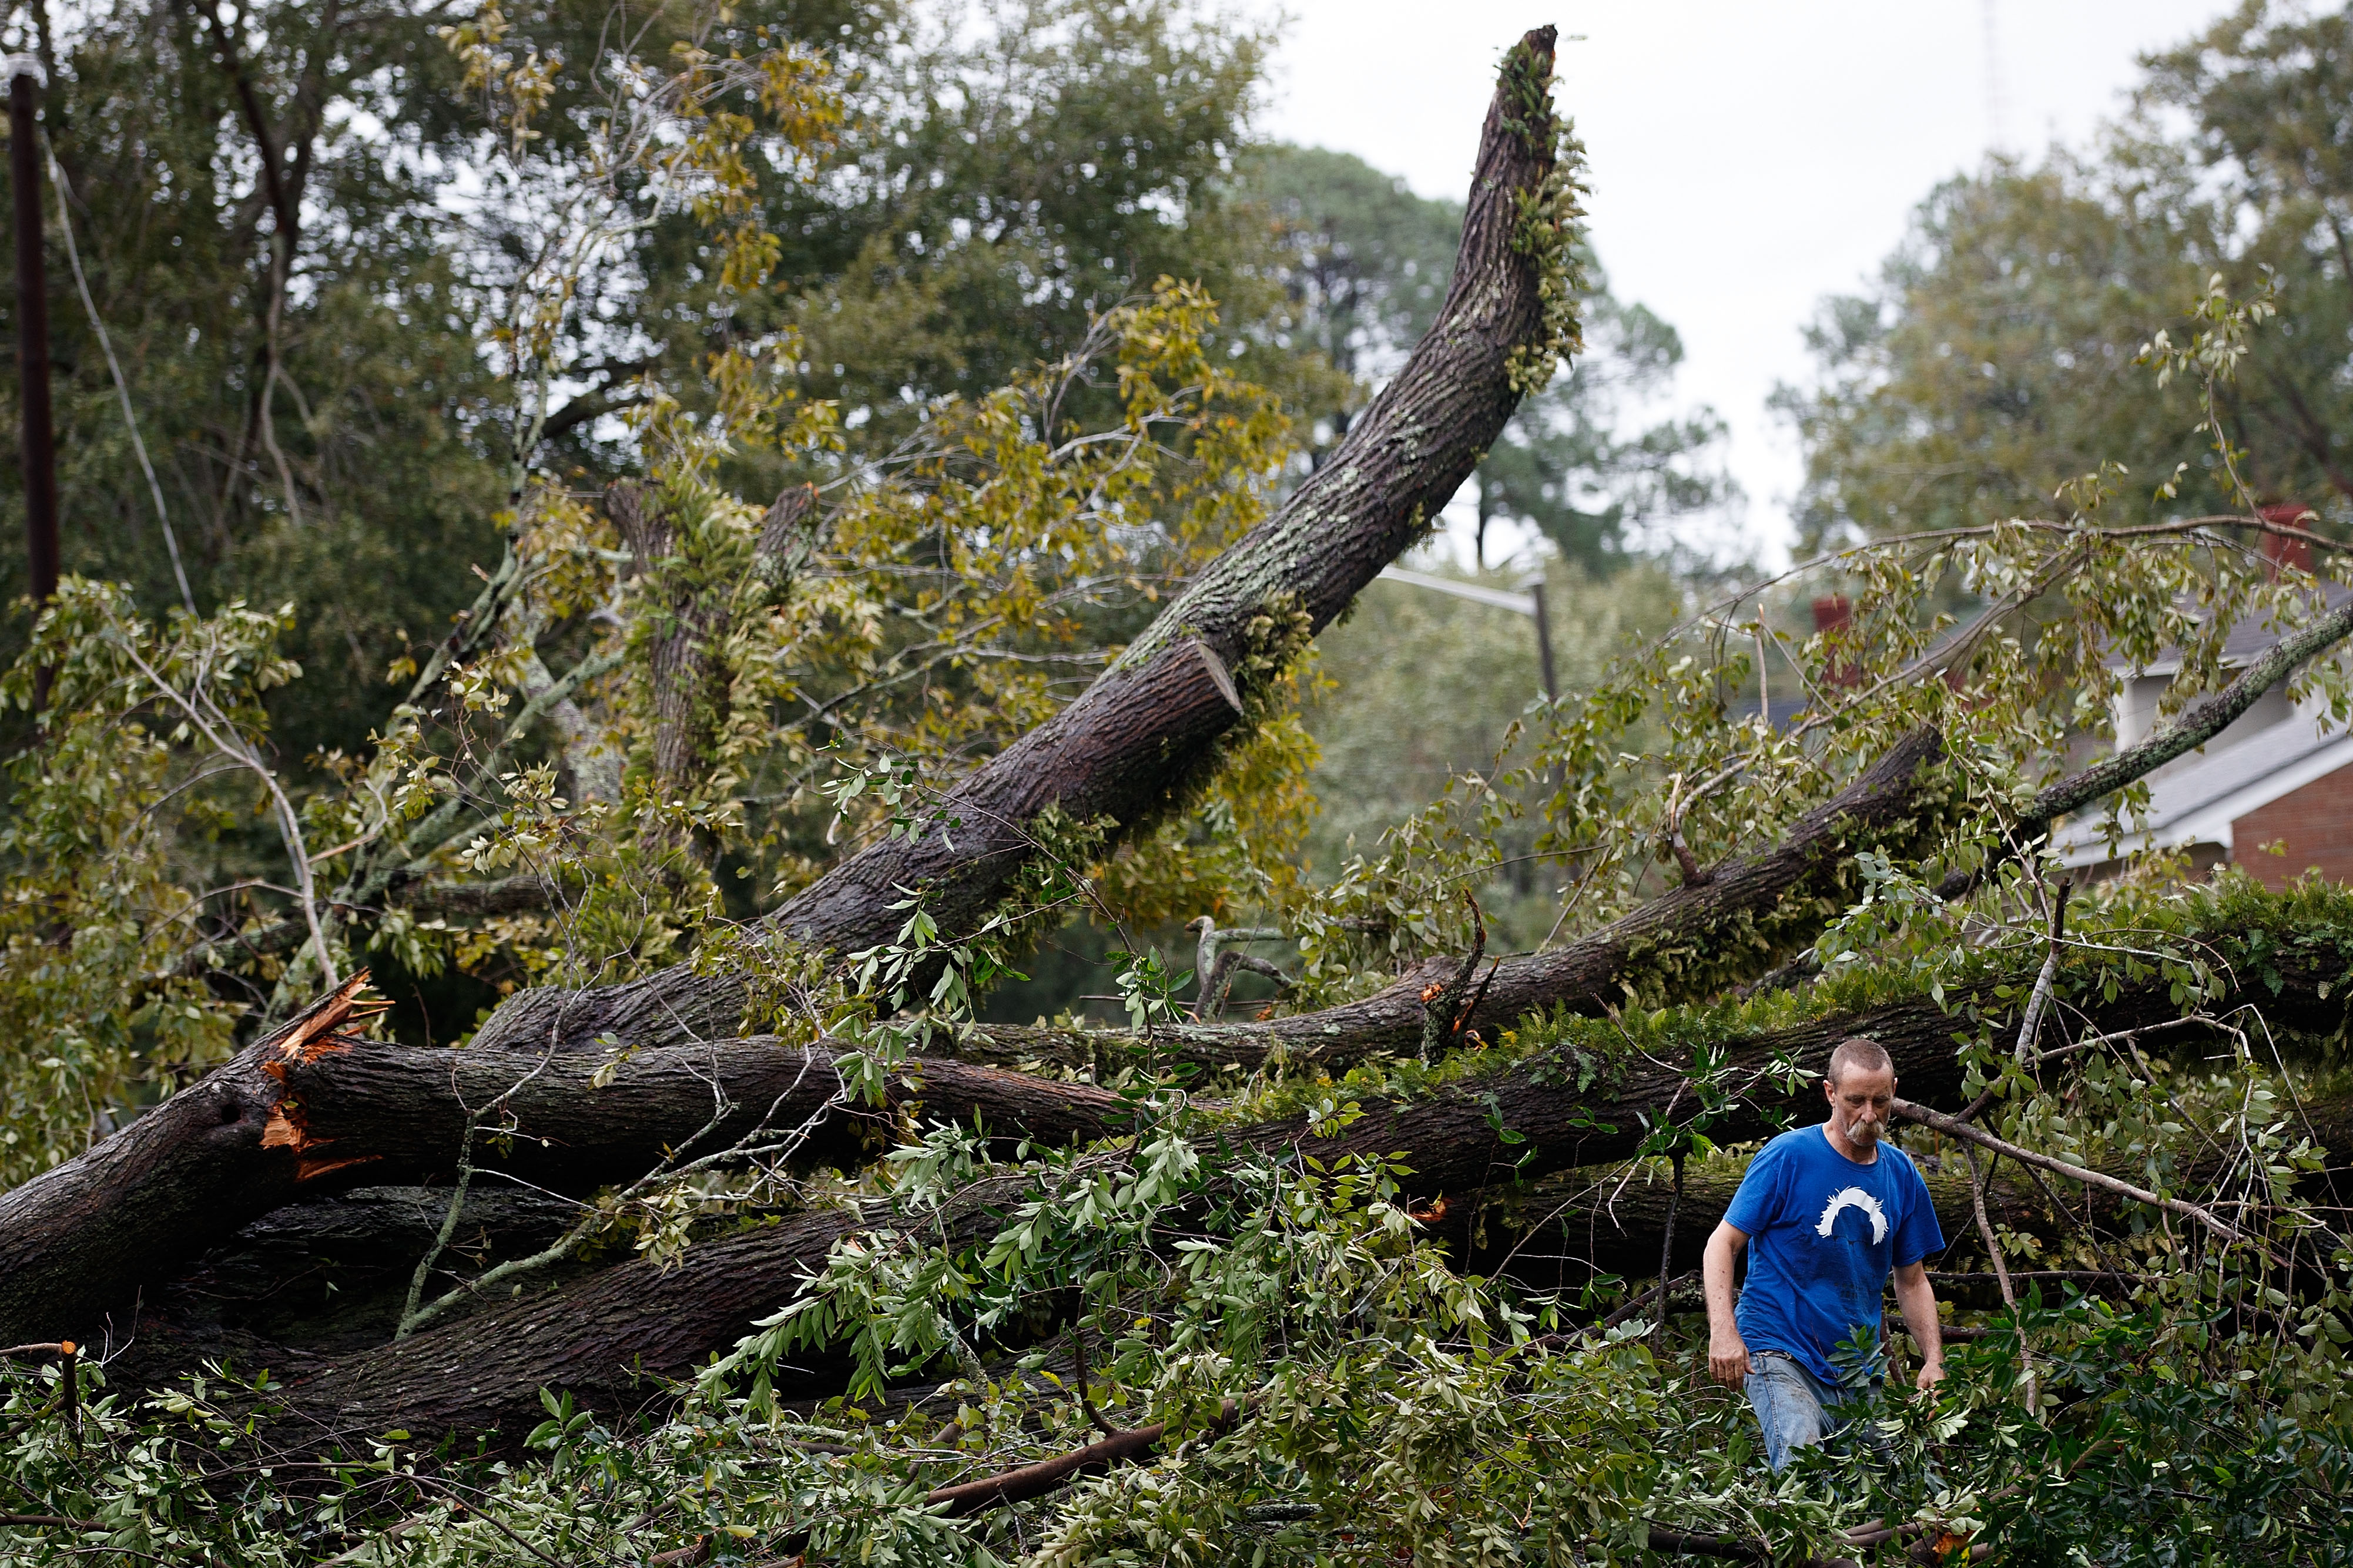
(2031,1027)
(1955,1128)
(290,825)
(1078,1366)
(2000,1274)
(1667,1242)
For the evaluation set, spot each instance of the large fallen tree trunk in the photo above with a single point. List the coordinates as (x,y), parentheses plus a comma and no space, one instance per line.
(309,1111)
(1152,728)
(312,1111)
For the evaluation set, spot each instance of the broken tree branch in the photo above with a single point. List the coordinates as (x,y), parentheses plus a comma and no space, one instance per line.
(1049,1474)
(1444,1003)
(2184,735)
(1993,1244)
(1799,880)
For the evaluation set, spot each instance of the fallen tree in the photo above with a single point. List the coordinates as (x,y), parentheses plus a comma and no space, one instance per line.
(580,1126)
(310,1109)
(309,1104)
(1475,1145)
(1143,736)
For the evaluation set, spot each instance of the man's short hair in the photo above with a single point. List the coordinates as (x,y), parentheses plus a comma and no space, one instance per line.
(1858,1053)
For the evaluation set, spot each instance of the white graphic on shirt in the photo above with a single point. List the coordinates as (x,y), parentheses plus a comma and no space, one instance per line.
(1854,1198)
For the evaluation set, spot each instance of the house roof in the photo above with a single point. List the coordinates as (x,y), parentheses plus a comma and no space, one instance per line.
(2197,803)
(2249,640)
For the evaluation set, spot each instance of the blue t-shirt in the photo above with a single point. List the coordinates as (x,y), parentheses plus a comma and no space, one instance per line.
(1823,1232)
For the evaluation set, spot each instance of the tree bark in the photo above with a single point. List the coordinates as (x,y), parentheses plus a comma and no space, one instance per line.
(1153,727)
(330,1275)
(266,1129)
(689,688)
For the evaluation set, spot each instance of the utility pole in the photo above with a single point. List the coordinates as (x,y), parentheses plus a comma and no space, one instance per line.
(41,453)
(1543,637)
(1997,98)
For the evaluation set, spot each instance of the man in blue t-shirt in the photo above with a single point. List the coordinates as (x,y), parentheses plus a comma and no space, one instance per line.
(1831,1210)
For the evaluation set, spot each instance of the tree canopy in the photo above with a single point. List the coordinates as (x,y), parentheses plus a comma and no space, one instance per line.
(2000,356)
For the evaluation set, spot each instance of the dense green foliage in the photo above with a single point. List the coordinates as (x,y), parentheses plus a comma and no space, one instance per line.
(1389,1402)
(957,237)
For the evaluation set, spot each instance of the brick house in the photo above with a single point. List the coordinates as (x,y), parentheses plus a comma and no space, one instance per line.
(2272,794)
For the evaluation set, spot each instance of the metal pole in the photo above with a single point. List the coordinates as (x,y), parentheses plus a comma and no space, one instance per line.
(41,456)
(1544,640)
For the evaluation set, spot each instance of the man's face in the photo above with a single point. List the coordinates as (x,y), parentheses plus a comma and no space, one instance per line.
(1860,1103)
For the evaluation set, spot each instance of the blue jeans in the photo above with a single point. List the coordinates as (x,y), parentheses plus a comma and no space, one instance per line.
(1794,1407)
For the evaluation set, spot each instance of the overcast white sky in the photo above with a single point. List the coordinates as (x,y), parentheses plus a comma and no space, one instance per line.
(1746,158)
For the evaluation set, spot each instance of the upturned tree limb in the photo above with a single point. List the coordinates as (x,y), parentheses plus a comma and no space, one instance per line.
(1153,727)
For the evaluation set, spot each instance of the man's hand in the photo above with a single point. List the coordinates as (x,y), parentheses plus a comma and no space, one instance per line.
(1918,1300)
(1728,1359)
(1728,1353)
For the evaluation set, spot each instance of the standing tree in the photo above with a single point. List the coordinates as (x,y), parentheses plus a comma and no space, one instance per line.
(1998,357)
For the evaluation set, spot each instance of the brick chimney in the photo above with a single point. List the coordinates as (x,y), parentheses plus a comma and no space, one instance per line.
(1832,611)
(2278,549)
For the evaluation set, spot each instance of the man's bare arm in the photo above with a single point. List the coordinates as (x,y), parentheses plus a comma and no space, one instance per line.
(1727,1354)
(1917,1299)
